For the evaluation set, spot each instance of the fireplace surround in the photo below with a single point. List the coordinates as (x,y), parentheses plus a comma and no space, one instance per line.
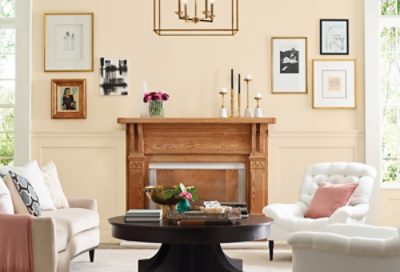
(238,146)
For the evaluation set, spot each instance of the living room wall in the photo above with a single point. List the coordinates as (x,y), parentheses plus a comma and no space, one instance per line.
(90,153)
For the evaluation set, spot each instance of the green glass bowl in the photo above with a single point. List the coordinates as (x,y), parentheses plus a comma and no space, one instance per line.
(158,196)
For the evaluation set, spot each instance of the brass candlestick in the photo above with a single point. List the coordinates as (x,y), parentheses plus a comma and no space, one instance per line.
(232,103)
(239,108)
(248,112)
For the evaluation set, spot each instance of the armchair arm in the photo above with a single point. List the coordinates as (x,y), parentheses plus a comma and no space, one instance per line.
(357,212)
(83,203)
(339,244)
(364,231)
(43,244)
(277,211)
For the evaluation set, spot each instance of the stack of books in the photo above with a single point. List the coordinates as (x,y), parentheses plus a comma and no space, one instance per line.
(143,215)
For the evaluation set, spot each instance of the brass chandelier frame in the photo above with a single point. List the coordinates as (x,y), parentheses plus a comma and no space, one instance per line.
(230,30)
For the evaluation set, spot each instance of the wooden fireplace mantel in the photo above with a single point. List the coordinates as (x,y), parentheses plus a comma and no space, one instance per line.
(242,140)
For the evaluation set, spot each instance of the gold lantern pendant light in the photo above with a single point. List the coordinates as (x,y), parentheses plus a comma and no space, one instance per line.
(208,12)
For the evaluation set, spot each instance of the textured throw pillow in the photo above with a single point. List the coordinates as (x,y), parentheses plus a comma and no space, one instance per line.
(6,205)
(53,184)
(31,172)
(328,198)
(27,194)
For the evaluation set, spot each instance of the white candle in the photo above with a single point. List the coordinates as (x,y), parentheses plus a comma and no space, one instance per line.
(248,77)
(258,95)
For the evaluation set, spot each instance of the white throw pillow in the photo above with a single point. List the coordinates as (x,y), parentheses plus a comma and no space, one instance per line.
(32,173)
(6,205)
(53,184)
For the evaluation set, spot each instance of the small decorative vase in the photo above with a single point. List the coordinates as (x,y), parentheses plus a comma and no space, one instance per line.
(183,206)
(156,108)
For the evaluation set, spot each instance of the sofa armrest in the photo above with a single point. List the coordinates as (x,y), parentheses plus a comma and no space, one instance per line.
(83,203)
(277,211)
(357,212)
(44,244)
(363,231)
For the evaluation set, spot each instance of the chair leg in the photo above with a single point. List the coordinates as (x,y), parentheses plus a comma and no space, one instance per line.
(271,249)
(91,255)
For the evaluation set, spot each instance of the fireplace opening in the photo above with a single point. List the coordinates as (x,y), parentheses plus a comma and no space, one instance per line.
(224,182)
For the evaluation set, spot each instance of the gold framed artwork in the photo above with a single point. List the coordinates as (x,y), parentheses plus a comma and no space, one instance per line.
(68,99)
(289,65)
(334,84)
(68,42)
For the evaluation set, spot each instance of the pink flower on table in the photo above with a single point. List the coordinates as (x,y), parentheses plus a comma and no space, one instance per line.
(185,195)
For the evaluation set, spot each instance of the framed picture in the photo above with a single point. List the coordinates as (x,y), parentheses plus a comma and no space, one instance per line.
(334,37)
(68,99)
(289,65)
(113,76)
(334,84)
(68,42)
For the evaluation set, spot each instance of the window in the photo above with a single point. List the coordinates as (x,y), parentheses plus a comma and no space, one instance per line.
(7,80)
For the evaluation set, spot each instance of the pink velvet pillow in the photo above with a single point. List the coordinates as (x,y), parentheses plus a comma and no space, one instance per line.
(328,198)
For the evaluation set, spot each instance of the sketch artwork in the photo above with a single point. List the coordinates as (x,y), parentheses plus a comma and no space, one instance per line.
(113,80)
(289,61)
(69,41)
(334,37)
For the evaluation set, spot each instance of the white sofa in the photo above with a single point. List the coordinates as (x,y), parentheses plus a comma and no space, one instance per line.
(289,218)
(347,248)
(60,235)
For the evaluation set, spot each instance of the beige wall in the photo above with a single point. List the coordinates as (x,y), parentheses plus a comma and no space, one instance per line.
(90,153)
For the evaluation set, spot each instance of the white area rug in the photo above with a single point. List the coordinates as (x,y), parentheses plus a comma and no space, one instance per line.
(125,260)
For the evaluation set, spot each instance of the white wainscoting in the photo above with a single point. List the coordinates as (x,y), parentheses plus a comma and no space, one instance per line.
(292,151)
(90,165)
(93,164)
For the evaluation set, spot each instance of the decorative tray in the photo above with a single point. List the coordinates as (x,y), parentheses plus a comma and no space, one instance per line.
(201,218)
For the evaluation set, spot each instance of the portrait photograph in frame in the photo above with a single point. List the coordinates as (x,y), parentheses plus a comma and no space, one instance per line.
(334,36)
(334,84)
(289,65)
(68,99)
(68,42)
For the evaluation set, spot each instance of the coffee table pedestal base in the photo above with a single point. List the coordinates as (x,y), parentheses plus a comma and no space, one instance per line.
(190,258)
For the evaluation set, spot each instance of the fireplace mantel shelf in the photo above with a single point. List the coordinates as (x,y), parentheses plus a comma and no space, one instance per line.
(198,140)
(127,120)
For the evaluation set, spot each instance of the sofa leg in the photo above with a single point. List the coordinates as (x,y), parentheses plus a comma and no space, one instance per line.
(91,255)
(271,249)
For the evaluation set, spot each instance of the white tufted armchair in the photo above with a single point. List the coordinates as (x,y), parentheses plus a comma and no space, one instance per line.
(289,218)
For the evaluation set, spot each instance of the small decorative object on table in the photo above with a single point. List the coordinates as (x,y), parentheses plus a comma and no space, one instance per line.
(248,113)
(258,111)
(185,195)
(223,113)
(169,196)
(156,103)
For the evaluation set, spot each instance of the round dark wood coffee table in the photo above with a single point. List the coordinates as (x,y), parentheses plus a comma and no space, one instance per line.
(191,248)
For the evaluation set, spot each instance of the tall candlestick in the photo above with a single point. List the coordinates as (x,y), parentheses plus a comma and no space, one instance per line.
(179,8)
(212,9)
(185,8)
(206,11)
(195,8)
(248,111)
(232,96)
(239,87)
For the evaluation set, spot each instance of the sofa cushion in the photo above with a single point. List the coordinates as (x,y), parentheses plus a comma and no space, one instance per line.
(74,220)
(53,184)
(27,194)
(6,205)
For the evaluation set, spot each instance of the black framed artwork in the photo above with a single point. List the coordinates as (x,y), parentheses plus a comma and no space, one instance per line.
(334,36)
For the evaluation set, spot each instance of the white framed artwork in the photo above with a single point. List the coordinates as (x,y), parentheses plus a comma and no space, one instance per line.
(68,42)
(334,84)
(289,65)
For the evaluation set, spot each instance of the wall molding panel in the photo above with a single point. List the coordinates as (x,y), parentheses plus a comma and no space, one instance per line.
(103,178)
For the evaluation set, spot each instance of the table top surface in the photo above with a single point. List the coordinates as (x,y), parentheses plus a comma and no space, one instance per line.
(256,227)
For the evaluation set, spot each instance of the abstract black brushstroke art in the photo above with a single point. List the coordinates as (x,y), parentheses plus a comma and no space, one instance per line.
(113,80)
